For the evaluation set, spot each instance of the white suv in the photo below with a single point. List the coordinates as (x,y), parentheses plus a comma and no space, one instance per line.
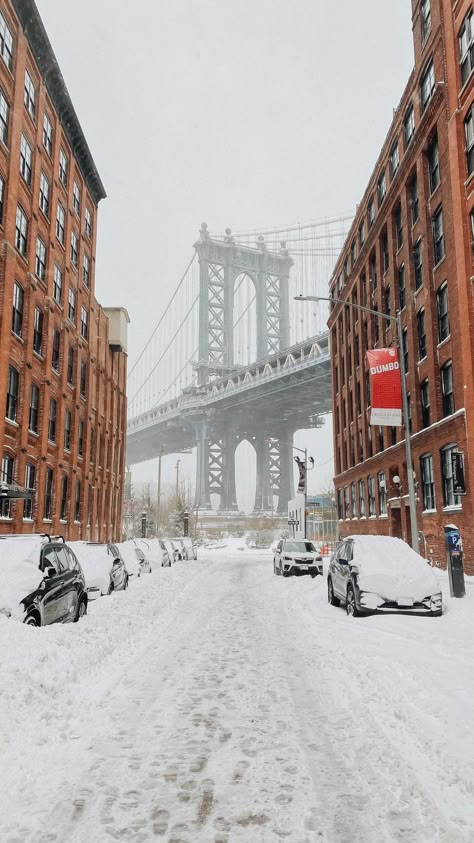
(297,556)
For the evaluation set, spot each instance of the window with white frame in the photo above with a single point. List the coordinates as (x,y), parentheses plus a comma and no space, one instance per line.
(382,493)
(449,498)
(57,284)
(6,43)
(48,495)
(347,502)
(466,47)
(74,249)
(13,389)
(425,403)
(34,408)
(60,223)
(52,420)
(433,164)
(76,198)
(67,430)
(421,333)
(64,498)
(30,479)
(40,259)
(80,438)
(63,167)
(77,503)
(409,125)
(381,187)
(38,331)
(56,350)
(86,271)
(371,213)
(44,194)
(8,470)
(447,388)
(427,481)
(355,511)
(17,312)
(84,323)
(425,17)
(394,159)
(362,498)
(88,222)
(438,236)
(47,135)
(4,118)
(70,365)
(29,97)
(72,305)
(26,160)
(414,199)
(442,305)
(21,231)
(427,85)
(371,491)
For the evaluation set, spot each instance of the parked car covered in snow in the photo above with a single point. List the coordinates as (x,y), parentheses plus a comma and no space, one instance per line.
(41,580)
(144,555)
(174,552)
(128,553)
(371,574)
(297,557)
(103,565)
(186,548)
(157,553)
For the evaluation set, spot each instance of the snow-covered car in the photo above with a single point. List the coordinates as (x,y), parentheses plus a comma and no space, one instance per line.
(41,580)
(173,552)
(144,555)
(296,557)
(382,574)
(103,568)
(158,553)
(128,553)
(186,548)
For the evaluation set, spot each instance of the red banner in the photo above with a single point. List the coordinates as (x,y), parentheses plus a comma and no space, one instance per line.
(385,387)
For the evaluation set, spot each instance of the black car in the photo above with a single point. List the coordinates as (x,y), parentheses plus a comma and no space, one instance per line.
(60,595)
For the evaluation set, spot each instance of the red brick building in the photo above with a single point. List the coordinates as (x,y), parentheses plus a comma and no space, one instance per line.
(62,359)
(410,248)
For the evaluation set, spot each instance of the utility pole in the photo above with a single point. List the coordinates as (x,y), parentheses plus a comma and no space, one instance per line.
(177,479)
(158,508)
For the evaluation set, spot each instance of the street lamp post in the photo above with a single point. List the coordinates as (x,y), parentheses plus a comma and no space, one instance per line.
(177,478)
(406,421)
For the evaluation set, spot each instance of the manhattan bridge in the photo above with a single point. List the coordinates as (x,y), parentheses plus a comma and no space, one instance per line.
(233,357)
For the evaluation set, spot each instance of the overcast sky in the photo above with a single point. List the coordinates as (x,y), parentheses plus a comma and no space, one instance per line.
(249,113)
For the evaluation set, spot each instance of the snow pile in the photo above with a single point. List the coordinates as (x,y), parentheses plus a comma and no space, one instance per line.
(389,567)
(96,564)
(19,572)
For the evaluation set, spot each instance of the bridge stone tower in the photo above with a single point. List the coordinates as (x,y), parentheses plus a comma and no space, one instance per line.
(221,264)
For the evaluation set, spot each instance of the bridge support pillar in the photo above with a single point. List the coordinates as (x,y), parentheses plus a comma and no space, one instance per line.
(202,498)
(286,472)
(263,492)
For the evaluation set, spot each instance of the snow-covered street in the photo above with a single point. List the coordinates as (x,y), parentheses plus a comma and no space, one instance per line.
(214,702)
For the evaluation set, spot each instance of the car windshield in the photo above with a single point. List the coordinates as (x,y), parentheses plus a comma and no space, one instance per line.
(300,547)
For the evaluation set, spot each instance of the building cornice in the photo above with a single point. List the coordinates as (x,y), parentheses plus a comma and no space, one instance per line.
(47,62)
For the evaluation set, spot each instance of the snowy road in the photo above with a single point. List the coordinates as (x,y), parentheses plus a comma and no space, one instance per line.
(216,703)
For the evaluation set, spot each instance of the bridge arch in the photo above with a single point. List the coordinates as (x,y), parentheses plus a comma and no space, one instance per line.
(244,319)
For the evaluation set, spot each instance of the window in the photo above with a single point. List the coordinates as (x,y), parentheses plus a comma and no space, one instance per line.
(353,252)
(40,259)
(449,498)
(438,236)
(376,325)
(47,135)
(442,305)
(70,365)
(339,504)
(44,194)
(83,380)
(361,234)
(347,503)
(48,494)
(30,477)
(38,331)
(371,213)
(77,503)
(26,159)
(86,271)
(425,403)
(80,438)
(84,323)
(421,332)
(57,284)
(21,231)
(12,393)
(401,287)
(385,252)
(55,354)
(387,304)
(354,500)
(394,159)
(433,165)
(93,445)
(405,348)
(29,97)
(60,223)
(425,16)
(76,198)
(371,490)
(8,468)
(373,270)
(17,313)
(88,222)
(74,248)
(382,493)
(447,389)
(4,118)
(414,200)
(52,420)
(469,135)
(466,47)
(64,498)
(362,498)
(427,480)
(418,264)
(2,198)
(67,430)
(63,167)
(427,85)
(72,305)
(409,125)
(6,43)
(398,227)
(381,188)
(34,408)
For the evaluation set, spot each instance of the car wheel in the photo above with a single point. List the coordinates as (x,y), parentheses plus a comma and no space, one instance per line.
(351,608)
(82,610)
(32,620)
(332,599)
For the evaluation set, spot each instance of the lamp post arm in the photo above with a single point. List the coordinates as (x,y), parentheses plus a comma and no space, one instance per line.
(348,304)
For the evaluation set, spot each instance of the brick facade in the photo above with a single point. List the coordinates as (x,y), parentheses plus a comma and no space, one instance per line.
(81,373)
(380,268)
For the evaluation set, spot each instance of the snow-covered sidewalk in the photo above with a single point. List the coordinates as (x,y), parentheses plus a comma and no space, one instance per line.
(214,702)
